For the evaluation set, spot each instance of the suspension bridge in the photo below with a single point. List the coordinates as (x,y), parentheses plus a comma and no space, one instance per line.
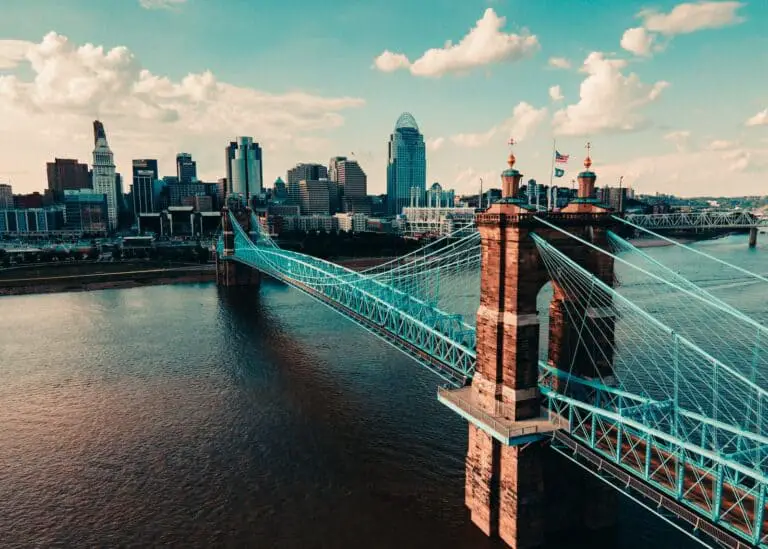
(636,387)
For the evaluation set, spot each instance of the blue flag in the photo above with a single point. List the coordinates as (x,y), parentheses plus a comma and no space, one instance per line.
(559,172)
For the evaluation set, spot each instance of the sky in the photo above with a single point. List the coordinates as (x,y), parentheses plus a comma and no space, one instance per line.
(673,97)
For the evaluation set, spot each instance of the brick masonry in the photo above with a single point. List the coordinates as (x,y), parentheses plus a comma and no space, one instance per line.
(522,493)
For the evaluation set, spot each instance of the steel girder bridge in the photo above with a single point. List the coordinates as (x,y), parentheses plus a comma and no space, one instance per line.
(697,220)
(679,428)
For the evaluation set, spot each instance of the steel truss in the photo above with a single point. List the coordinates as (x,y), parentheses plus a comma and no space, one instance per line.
(438,340)
(697,220)
(669,449)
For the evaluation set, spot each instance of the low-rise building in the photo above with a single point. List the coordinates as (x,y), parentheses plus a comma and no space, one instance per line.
(25,221)
(435,221)
(85,211)
(352,222)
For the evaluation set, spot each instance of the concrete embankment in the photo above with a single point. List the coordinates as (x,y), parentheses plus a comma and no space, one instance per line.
(95,276)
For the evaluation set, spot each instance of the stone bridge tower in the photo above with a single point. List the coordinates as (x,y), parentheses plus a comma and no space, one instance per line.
(524,492)
(228,271)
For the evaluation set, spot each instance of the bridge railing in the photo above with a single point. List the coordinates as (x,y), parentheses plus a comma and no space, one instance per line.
(696,220)
(369,301)
(685,467)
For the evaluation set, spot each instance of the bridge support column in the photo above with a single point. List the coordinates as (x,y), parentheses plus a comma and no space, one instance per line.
(525,493)
(753,237)
(505,489)
(505,484)
(228,271)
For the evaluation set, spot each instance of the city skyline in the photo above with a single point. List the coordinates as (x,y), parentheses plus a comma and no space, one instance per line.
(670,96)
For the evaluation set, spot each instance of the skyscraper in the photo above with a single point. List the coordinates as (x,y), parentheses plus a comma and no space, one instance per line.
(186,168)
(353,186)
(144,176)
(333,167)
(67,173)
(104,172)
(314,197)
(245,173)
(301,172)
(407,164)
(352,179)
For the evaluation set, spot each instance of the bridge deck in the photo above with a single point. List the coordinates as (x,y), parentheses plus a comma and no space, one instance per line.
(500,424)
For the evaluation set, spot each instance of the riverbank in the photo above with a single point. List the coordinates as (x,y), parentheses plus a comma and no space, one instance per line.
(98,276)
(362,263)
(649,242)
(87,276)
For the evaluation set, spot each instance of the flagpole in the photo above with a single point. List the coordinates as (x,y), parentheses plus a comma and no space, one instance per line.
(552,167)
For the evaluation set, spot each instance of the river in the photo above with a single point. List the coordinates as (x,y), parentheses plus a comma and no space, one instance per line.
(191,417)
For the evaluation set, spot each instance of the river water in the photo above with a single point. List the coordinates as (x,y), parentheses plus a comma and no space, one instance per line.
(191,417)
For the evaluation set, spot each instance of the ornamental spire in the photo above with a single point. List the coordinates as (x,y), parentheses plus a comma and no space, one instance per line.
(588,159)
(511,160)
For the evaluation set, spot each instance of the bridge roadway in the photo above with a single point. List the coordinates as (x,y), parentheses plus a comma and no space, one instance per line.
(715,494)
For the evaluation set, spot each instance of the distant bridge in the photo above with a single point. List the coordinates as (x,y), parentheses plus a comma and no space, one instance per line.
(698,220)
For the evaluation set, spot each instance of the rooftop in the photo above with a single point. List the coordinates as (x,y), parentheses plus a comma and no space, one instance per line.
(406,120)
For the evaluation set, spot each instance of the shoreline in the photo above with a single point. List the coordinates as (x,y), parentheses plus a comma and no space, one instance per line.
(12,283)
(650,242)
(83,282)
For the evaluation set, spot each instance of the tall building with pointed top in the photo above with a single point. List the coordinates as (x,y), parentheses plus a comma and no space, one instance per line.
(407,164)
(104,172)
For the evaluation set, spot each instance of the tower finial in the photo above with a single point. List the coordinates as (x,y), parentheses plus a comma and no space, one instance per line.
(588,159)
(511,160)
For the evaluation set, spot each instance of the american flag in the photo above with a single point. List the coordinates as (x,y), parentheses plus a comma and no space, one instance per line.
(561,158)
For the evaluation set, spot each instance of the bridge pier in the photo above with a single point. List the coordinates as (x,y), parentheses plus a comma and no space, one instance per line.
(520,490)
(229,272)
(753,237)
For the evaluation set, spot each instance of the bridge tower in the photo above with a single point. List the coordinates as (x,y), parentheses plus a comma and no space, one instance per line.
(520,490)
(228,271)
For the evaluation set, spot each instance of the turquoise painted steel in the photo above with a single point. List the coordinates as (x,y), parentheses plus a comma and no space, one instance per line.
(716,486)
(439,340)
(703,458)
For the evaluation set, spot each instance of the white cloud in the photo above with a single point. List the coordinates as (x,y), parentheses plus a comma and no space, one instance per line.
(721,145)
(683,19)
(680,139)
(474,140)
(65,87)
(609,100)
(467,179)
(556,94)
(435,143)
(484,44)
(691,17)
(760,119)
(161,4)
(524,120)
(12,52)
(695,172)
(390,62)
(559,63)
(637,41)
